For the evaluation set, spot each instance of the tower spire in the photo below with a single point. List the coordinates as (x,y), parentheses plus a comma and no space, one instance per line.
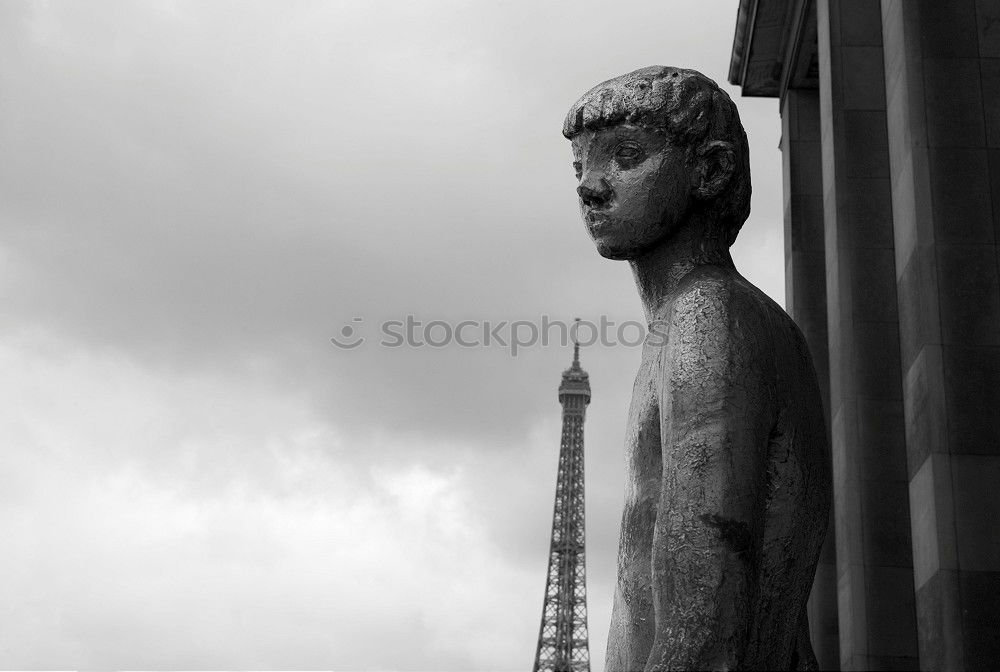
(563,644)
(576,343)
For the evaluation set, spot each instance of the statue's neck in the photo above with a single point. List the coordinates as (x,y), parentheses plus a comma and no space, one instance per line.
(659,271)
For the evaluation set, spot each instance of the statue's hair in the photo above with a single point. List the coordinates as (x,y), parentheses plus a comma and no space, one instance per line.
(690,108)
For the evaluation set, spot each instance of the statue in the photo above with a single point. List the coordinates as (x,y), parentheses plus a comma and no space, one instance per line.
(727,464)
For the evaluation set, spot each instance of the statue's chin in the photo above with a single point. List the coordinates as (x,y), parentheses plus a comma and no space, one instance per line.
(618,252)
(615,254)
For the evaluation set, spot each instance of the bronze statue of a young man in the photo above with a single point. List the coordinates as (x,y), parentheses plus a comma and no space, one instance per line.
(727,476)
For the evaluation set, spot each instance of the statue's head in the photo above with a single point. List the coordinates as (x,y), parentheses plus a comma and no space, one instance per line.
(650,149)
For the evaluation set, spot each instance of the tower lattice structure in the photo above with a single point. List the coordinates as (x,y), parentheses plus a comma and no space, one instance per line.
(562,637)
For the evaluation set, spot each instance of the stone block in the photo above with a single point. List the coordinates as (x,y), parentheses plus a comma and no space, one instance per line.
(886,523)
(838,360)
(892,627)
(948,28)
(989,69)
(972,399)
(953,95)
(807,123)
(881,438)
(960,193)
(873,284)
(969,294)
(898,112)
(939,624)
(981,619)
(806,163)
(926,421)
(806,212)
(809,295)
(904,212)
(847,621)
(863,78)
(993,160)
(917,301)
(877,663)
(847,499)
(866,149)
(944,505)
(923,522)
(876,360)
(868,205)
(892,38)
(988,24)
(789,284)
(828,553)
(823,617)
(977,511)
(860,23)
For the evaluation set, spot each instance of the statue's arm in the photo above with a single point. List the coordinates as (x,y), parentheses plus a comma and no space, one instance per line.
(714,431)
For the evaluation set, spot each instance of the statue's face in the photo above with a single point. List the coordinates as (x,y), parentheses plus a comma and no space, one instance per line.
(635,187)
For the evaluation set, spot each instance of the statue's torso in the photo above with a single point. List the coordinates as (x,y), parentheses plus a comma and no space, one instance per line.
(797,437)
(632,626)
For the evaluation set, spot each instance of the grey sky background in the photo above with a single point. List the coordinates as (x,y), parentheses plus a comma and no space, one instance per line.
(193,198)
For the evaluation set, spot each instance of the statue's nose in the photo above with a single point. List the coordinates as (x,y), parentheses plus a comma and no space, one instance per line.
(595,193)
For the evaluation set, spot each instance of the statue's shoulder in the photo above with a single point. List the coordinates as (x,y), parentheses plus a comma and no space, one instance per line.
(713,300)
(716,291)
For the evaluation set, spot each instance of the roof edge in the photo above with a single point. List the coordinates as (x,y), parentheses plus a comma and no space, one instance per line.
(741,43)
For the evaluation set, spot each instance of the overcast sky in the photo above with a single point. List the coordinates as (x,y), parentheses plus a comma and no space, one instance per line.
(194,197)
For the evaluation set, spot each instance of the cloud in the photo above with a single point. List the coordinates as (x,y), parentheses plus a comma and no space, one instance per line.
(205,192)
(251,544)
(194,197)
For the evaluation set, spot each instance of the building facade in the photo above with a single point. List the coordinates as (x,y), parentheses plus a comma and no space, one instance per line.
(890,116)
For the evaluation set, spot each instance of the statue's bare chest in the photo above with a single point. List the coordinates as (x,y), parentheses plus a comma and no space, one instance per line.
(643,462)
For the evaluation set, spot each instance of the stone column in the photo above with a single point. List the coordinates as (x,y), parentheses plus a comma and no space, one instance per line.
(871,498)
(943,95)
(805,298)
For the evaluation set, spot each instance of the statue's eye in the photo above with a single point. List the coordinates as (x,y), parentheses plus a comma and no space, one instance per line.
(578,167)
(628,152)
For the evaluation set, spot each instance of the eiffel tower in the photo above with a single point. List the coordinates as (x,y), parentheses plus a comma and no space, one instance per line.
(562,637)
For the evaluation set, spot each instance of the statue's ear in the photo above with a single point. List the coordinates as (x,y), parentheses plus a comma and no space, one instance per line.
(714,167)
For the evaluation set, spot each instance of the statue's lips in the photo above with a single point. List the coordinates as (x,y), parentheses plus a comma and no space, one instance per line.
(597,221)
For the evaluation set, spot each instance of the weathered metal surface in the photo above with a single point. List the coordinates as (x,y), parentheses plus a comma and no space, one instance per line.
(727,470)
